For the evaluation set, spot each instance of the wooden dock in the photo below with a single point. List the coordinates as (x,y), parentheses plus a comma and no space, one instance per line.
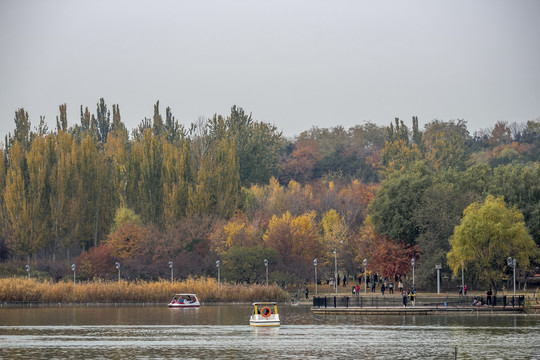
(418,310)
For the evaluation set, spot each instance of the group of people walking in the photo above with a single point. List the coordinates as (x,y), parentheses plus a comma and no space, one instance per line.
(386,285)
(409,294)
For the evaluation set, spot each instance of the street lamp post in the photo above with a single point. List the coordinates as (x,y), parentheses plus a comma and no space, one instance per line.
(73,269)
(438,267)
(462,278)
(117,264)
(512,262)
(218,263)
(315,265)
(171,266)
(365,276)
(412,263)
(28,270)
(335,266)
(266,265)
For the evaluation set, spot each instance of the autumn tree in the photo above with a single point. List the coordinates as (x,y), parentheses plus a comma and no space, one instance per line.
(127,241)
(344,153)
(176,180)
(334,237)
(296,240)
(93,208)
(300,166)
(353,202)
(444,151)
(238,231)
(489,233)
(500,134)
(299,199)
(148,186)
(384,256)
(97,262)
(186,242)
(399,156)
(41,160)
(18,210)
(217,185)
(64,195)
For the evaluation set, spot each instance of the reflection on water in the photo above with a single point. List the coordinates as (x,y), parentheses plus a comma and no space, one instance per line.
(223,332)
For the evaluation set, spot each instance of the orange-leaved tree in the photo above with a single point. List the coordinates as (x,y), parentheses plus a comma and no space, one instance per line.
(128,241)
(385,256)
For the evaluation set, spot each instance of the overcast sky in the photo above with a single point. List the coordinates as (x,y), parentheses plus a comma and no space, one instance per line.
(294,64)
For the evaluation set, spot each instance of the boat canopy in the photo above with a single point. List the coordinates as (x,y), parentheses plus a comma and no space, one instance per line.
(265,303)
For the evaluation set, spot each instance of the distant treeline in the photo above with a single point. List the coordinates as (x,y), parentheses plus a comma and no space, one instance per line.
(235,189)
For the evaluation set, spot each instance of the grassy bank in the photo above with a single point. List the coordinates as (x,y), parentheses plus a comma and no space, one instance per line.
(29,290)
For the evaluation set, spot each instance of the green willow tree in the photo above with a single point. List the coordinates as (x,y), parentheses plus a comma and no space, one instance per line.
(488,234)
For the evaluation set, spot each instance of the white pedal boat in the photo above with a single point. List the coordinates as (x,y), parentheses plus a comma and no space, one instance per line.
(264,314)
(184,301)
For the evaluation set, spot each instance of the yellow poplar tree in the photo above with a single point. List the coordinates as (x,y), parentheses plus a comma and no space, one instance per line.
(294,237)
(18,213)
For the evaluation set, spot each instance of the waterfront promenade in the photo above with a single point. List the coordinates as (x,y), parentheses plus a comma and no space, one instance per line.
(424,304)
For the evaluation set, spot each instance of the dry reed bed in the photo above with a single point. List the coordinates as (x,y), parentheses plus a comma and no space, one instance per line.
(207,289)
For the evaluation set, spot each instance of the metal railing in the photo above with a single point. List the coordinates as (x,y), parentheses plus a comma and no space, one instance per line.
(397,301)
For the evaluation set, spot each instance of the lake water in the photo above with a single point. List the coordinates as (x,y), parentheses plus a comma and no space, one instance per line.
(223,332)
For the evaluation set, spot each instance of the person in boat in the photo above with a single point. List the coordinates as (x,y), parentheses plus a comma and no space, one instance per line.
(174,300)
(181,301)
